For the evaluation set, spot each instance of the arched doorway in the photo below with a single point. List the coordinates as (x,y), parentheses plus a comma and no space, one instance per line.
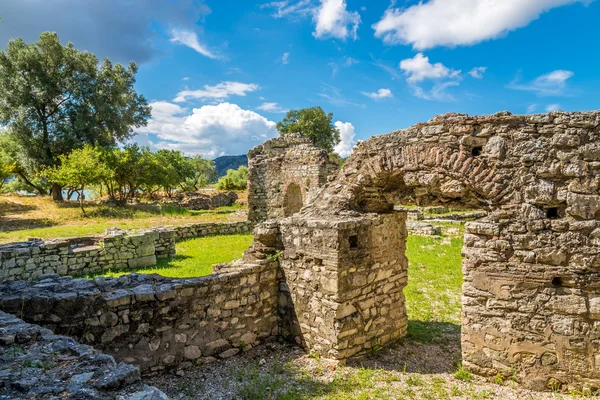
(292,202)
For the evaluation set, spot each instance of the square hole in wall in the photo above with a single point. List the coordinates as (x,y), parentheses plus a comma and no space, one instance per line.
(552,213)
(353,240)
(476,151)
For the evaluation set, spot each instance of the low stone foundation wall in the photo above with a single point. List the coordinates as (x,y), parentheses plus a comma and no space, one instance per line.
(191,231)
(39,364)
(116,250)
(155,322)
(88,255)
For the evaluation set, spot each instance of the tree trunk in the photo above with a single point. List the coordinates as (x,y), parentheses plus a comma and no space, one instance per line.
(56,192)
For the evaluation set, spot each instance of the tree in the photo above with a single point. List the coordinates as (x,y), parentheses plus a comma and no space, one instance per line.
(204,173)
(313,124)
(173,170)
(234,180)
(79,169)
(54,99)
(132,168)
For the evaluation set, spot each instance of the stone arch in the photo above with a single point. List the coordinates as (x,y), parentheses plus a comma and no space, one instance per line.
(531,267)
(293,200)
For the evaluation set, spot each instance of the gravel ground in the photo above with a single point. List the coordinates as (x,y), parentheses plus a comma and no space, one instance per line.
(406,370)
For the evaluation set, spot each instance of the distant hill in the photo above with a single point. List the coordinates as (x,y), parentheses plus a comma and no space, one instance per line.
(222,164)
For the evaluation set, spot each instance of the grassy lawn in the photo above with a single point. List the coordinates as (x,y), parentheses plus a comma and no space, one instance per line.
(23,217)
(195,257)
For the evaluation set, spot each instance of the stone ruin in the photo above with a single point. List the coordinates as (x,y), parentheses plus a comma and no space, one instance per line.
(531,292)
(327,268)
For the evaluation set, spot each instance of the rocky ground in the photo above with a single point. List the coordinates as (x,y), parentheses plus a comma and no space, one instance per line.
(407,370)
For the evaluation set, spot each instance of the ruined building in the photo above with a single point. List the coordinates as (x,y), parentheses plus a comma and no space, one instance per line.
(327,268)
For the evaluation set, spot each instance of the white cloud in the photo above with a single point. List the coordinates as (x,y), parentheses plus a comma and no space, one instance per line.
(349,61)
(437,92)
(285,58)
(550,84)
(477,72)
(211,130)
(219,91)
(333,20)
(347,134)
(531,108)
(419,68)
(186,78)
(190,39)
(459,22)
(552,107)
(271,107)
(290,8)
(380,94)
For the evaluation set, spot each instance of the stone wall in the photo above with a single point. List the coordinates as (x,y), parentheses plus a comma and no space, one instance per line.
(78,256)
(531,266)
(39,364)
(284,175)
(345,278)
(190,231)
(153,322)
(203,201)
(116,250)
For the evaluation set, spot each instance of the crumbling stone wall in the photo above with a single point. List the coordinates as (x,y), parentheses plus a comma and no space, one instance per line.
(76,256)
(39,364)
(116,250)
(531,266)
(284,175)
(203,201)
(152,322)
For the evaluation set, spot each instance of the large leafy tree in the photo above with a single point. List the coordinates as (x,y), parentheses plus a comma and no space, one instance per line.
(204,172)
(55,98)
(313,124)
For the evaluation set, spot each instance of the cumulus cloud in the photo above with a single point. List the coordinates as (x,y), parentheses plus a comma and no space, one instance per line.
(333,20)
(419,68)
(190,39)
(285,58)
(211,130)
(120,30)
(477,72)
(380,94)
(551,84)
(331,17)
(219,91)
(271,107)
(347,142)
(552,107)
(459,22)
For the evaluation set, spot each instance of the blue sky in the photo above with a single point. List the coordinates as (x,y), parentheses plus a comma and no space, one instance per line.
(220,74)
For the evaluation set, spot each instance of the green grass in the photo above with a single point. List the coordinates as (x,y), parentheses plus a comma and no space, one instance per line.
(196,257)
(434,284)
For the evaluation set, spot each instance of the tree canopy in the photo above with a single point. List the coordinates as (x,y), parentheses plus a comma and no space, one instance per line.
(55,98)
(236,179)
(313,124)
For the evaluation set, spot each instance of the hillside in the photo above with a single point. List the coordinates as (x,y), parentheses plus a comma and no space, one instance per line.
(222,164)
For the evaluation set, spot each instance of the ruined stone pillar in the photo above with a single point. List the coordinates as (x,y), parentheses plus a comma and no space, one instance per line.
(346,278)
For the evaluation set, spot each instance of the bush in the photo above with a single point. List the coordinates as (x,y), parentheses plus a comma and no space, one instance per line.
(234,180)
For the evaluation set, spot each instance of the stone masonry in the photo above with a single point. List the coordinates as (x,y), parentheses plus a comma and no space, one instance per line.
(37,364)
(116,250)
(531,293)
(152,322)
(284,175)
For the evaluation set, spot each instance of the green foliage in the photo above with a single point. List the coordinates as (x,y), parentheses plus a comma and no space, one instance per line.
(234,180)
(54,99)
(313,124)
(79,169)
(463,374)
(204,172)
